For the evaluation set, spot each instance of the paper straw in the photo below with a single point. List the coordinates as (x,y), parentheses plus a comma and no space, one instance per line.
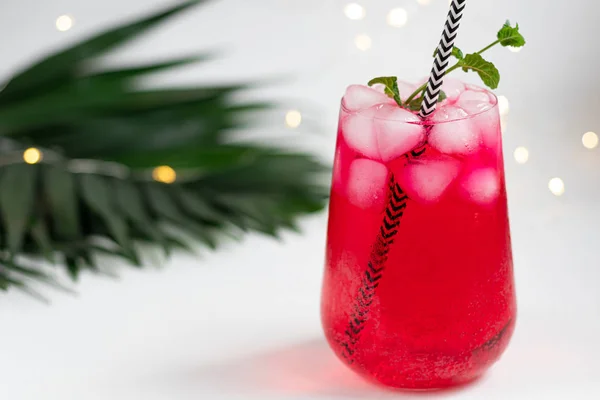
(397,198)
(442,58)
(373,273)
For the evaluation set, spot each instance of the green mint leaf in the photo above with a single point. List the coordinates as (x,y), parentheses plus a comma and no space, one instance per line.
(486,70)
(509,36)
(391,87)
(415,104)
(456,52)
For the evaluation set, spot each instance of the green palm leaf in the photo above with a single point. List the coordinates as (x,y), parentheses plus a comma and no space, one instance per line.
(17,185)
(63,65)
(101,138)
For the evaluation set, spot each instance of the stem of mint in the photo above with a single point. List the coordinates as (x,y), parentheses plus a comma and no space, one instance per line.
(452,68)
(489,46)
(507,36)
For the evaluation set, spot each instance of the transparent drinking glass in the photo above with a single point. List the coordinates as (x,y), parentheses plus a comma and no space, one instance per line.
(418,287)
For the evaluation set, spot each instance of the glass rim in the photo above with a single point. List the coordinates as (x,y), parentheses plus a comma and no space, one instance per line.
(494,106)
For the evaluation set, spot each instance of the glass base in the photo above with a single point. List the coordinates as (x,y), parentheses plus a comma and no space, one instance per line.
(429,386)
(427,370)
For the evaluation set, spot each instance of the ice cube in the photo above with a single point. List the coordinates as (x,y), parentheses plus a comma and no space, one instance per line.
(474,107)
(448,113)
(359,97)
(473,99)
(367,184)
(397,132)
(383,132)
(380,87)
(426,179)
(359,133)
(406,89)
(488,125)
(475,88)
(474,102)
(453,88)
(482,186)
(486,120)
(454,133)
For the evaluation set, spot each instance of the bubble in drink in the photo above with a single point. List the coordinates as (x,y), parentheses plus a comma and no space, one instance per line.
(426,179)
(482,186)
(454,133)
(359,97)
(367,183)
(397,132)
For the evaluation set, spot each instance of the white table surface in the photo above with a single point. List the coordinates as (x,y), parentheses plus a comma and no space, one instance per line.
(243,323)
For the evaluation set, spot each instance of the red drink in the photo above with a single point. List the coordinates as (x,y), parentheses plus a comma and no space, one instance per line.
(418,289)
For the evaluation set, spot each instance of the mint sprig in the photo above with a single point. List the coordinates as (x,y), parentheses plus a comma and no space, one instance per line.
(391,87)
(508,35)
(487,71)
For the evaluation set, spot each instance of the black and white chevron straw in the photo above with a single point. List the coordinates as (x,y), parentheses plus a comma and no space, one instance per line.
(360,314)
(442,58)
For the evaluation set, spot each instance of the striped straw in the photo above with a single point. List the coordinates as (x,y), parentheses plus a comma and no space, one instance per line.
(442,58)
(397,200)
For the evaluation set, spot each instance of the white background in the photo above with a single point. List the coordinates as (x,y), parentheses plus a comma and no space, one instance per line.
(243,323)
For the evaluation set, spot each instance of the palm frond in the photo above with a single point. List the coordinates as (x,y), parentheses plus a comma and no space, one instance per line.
(100,137)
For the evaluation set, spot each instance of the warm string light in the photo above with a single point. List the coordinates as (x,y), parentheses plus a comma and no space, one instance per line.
(397,17)
(354,11)
(32,155)
(503,123)
(521,155)
(590,140)
(164,174)
(556,186)
(64,23)
(293,119)
(363,42)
